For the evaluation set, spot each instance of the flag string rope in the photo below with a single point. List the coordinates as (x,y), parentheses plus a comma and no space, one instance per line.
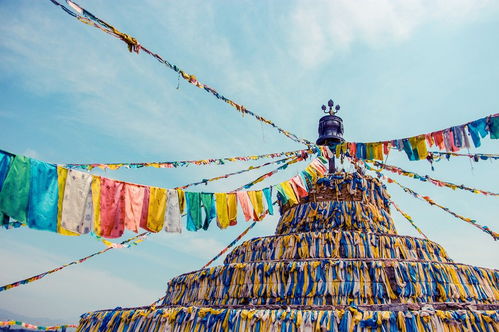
(427,199)
(409,219)
(269,174)
(474,156)
(185,163)
(251,168)
(86,17)
(426,178)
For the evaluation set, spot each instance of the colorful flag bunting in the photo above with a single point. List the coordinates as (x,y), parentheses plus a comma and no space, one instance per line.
(74,202)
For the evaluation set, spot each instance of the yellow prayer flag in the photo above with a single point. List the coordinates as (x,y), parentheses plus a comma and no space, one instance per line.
(222,211)
(157,209)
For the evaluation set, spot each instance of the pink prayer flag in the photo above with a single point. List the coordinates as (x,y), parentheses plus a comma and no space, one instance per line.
(245,202)
(112,208)
(134,200)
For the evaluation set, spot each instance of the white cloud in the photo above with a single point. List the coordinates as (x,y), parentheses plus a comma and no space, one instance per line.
(127,96)
(318,30)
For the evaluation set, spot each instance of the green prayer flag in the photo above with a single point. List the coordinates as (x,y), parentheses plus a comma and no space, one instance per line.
(14,196)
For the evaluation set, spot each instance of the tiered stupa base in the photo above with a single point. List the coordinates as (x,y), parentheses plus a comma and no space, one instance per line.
(336,263)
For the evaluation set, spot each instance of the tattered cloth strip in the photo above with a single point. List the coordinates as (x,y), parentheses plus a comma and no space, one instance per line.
(125,244)
(37,327)
(262,319)
(133,45)
(409,218)
(185,163)
(340,186)
(470,221)
(476,156)
(334,281)
(451,139)
(333,215)
(336,244)
(426,178)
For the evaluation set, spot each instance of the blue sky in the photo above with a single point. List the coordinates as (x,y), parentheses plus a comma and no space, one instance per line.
(70,93)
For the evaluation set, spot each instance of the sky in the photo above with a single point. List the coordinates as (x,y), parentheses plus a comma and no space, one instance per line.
(70,93)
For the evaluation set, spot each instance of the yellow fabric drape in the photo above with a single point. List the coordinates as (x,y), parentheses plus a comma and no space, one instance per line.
(288,191)
(378,151)
(419,143)
(96,204)
(256,198)
(232,208)
(157,209)
(222,211)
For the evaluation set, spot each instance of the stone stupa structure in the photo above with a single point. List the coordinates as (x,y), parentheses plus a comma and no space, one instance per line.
(336,263)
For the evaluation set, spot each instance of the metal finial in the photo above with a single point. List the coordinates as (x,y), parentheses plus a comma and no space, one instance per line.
(330,103)
(332,109)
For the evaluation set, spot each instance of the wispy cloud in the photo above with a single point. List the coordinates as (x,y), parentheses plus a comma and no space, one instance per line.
(137,102)
(327,28)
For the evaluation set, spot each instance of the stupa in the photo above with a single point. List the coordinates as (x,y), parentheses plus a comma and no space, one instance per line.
(335,263)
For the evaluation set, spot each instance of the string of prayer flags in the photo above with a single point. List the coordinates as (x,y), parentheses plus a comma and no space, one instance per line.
(185,163)
(435,155)
(426,178)
(133,45)
(37,327)
(251,168)
(269,174)
(72,202)
(125,244)
(427,199)
(450,140)
(409,218)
